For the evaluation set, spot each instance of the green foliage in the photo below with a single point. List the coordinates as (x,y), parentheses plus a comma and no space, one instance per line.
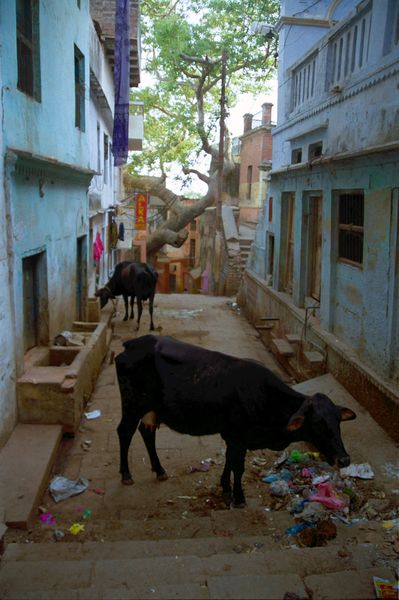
(200,29)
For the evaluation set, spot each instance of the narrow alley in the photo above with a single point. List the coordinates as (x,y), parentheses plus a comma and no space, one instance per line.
(177,539)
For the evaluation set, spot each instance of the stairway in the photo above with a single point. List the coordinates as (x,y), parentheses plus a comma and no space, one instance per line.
(226,565)
(245,249)
(297,356)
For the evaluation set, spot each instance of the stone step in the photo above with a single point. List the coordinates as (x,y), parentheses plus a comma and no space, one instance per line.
(313,358)
(293,338)
(25,464)
(109,566)
(282,347)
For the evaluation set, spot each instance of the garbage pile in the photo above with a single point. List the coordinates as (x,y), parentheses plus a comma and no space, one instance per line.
(318,496)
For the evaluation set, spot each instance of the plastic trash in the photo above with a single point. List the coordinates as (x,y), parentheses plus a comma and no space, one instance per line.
(94,414)
(297,456)
(279,488)
(62,488)
(76,528)
(58,535)
(313,512)
(362,471)
(385,588)
(297,528)
(270,478)
(326,495)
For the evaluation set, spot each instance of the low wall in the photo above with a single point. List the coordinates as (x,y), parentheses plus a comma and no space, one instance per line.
(378,396)
(51,391)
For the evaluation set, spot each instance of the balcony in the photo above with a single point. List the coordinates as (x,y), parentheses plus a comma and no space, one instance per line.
(136,125)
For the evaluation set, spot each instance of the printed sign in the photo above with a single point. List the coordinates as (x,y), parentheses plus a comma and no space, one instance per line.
(141,210)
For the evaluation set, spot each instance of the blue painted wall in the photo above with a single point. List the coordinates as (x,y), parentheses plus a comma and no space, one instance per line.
(358,125)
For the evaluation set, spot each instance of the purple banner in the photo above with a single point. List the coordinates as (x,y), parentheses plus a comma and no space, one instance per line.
(120,135)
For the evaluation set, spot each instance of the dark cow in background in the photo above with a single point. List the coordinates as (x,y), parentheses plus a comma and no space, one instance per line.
(135,280)
(201,392)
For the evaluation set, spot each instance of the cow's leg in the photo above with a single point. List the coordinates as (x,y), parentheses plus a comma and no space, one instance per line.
(131,306)
(235,462)
(126,301)
(139,311)
(151,311)
(149,440)
(126,429)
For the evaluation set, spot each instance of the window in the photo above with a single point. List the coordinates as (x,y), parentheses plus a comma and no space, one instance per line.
(391,37)
(249,181)
(192,252)
(315,150)
(296,156)
(193,226)
(79,63)
(350,227)
(105,158)
(28,58)
(98,149)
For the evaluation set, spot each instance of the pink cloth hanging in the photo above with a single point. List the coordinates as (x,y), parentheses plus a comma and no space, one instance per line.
(98,247)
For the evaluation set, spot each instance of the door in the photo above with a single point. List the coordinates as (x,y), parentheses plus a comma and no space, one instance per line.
(81,278)
(315,238)
(35,300)
(288,207)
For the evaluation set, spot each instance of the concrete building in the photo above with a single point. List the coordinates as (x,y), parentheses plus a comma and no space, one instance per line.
(255,162)
(56,105)
(328,236)
(45,74)
(106,189)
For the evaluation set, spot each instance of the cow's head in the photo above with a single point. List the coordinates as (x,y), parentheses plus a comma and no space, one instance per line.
(318,421)
(104,294)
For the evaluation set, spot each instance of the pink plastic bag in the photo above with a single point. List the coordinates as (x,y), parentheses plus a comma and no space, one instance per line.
(327,496)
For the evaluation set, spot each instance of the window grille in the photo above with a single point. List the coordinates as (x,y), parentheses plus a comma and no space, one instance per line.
(28,47)
(348,49)
(304,80)
(350,227)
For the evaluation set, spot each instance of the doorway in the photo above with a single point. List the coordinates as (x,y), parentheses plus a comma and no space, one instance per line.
(314,248)
(288,204)
(81,277)
(35,300)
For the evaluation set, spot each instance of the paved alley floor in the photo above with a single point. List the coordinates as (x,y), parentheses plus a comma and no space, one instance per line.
(185,516)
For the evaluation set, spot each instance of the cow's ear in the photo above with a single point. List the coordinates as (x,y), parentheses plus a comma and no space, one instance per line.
(347,414)
(295,422)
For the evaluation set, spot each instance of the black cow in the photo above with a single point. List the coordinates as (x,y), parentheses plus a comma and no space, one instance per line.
(135,280)
(202,392)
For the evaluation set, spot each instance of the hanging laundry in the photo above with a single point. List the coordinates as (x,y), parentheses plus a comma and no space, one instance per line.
(121,235)
(98,247)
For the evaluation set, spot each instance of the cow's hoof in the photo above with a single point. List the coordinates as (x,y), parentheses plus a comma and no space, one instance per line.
(162,476)
(128,481)
(125,318)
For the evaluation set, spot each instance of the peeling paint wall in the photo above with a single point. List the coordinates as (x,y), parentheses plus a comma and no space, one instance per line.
(357,124)
(44,180)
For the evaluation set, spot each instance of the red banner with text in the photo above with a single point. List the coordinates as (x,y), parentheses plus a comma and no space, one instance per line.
(141,210)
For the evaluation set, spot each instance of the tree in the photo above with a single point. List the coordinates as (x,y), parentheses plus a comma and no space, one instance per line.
(183,42)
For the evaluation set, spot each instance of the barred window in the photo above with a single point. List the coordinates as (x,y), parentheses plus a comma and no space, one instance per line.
(28,60)
(79,89)
(350,227)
